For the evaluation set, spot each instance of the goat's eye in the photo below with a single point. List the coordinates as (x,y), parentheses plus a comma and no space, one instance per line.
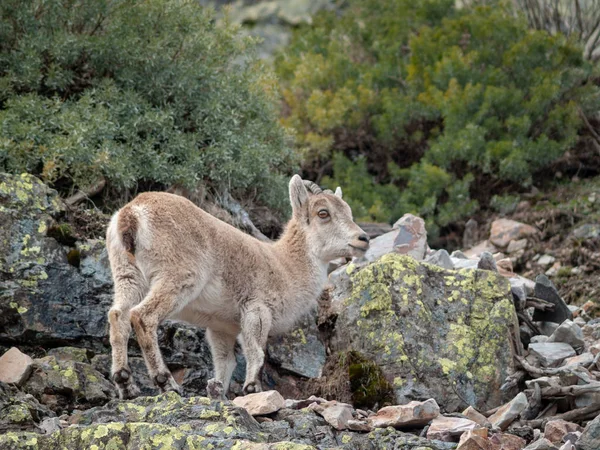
(323,214)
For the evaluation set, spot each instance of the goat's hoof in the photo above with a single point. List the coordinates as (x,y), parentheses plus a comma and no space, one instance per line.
(252,388)
(166,383)
(125,384)
(214,389)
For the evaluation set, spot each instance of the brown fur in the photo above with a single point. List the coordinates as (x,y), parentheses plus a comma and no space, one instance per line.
(191,266)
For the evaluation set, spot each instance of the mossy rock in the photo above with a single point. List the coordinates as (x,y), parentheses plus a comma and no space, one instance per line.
(434,332)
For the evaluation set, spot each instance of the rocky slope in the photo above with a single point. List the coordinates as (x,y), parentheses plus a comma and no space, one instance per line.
(420,349)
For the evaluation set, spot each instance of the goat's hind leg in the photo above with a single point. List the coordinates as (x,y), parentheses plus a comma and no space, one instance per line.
(130,288)
(164,298)
(256,324)
(222,347)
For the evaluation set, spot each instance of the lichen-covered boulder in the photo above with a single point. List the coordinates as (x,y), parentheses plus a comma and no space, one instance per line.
(169,421)
(20,411)
(64,384)
(45,296)
(435,333)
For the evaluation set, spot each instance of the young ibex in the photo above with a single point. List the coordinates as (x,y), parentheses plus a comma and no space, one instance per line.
(169,258)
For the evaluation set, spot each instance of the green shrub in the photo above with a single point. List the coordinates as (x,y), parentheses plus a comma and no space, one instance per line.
(441,104)
(152,92)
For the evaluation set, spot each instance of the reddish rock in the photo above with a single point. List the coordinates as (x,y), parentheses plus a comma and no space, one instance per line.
(15,367)
(261,403)
(556,430)
(507,441)
(414,414)
(509,412)
(506,230)
(335,413)
(471,440)
(475,416)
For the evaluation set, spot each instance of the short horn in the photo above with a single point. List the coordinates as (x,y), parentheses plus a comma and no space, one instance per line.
(312,187)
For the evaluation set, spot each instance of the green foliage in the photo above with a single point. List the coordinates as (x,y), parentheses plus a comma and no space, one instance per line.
(150,92)
(432,104)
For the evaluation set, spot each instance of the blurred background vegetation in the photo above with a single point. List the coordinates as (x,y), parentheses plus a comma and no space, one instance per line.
(438,108)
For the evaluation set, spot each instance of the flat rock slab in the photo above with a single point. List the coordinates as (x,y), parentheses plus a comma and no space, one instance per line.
(261,403)
(15,367)
(551,354)
(509,412)
(545,289)
(505,230)
(449,429)
(414,414)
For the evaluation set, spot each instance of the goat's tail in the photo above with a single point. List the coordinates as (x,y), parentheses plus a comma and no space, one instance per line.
(122,232)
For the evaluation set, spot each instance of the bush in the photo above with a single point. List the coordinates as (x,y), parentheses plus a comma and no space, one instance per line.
(440,103)
(152,93)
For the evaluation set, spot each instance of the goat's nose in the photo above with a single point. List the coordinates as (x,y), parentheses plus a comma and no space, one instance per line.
(364,237)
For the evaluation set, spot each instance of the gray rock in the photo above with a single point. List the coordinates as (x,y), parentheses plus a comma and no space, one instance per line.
(471,233)
(300,351)
(541,444)
(587,231)
(539,339)
(516,246)
(440,258)
(62,385)
(519,297)
(546,260)
(427,327)
(465,263)
(487,262)
(545,289)
(20,411)
(590,438)
(569,333)
(458,255)
(551,354)
(50,425)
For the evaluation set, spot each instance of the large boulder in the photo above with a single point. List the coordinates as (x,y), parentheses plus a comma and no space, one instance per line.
(44,296)
(435,333)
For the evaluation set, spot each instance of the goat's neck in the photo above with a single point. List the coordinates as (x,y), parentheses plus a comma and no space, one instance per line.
(295,249)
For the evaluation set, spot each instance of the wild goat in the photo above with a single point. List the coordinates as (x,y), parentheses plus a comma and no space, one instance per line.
(170,258)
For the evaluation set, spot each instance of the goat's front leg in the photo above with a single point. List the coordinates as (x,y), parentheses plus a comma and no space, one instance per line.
(145,317)
(256,324)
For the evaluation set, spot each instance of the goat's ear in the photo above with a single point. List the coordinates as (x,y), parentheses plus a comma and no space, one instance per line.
(338,191)
(298,193)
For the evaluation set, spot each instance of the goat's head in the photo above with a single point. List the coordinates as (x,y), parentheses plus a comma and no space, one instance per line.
(326,220)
